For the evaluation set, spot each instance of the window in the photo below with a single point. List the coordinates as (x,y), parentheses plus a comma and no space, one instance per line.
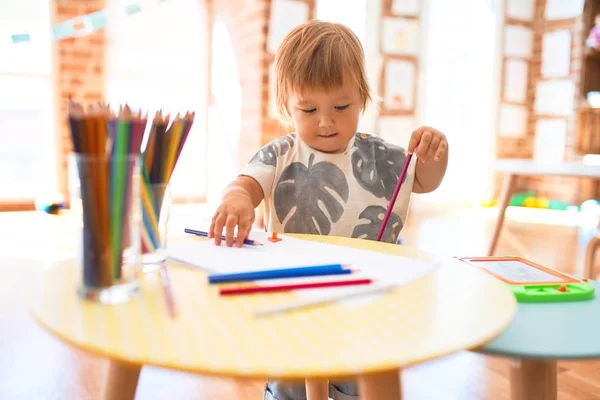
(459,70)
(224,113)
(156,60)
(27,163)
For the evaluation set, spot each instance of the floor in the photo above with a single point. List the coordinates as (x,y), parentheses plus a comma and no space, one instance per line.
(34,365)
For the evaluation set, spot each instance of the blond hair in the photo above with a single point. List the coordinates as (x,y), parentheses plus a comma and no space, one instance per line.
(318,55)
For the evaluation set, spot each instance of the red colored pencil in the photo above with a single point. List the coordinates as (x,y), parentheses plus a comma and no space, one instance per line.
(281,288)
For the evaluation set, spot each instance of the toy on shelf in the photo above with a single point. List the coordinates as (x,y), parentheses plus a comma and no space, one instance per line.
(593,40)
(50,204)
(558,205)
(530,200)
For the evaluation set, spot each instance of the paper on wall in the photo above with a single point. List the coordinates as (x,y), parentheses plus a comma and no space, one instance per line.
(285,16)
(515,80)
(518,41)
(399,85)
(563,9)
(555,97)
(522,10)
(406,7)
(556,53)
(513,120)
(399,36)
(550,140)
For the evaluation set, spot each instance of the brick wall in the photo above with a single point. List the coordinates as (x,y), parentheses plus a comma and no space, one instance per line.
(78,72)
(79,68)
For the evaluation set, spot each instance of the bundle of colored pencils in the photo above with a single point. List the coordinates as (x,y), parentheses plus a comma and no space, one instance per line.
(159,158)
(107,151)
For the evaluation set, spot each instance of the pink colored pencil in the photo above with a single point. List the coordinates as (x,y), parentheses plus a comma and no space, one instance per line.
(394,196)
(166,284)
(280,288)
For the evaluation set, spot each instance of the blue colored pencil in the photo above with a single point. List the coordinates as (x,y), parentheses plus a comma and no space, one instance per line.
(298,272)
(205,234)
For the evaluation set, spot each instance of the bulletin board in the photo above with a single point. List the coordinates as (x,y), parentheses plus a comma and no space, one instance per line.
(513,115)
(399,39)
(540,58)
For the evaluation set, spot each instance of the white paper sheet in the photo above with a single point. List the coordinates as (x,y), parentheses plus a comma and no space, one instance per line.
(522,10)
(513,121)
(396,130)
(406,7)
(400,36)
(563,9)
(555,97)
(550,140)
(292,252)
(556,53)
(285,16)
(518,41)
(515,81)
(399,85)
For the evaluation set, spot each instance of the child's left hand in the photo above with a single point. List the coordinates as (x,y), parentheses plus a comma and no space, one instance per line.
(428,144)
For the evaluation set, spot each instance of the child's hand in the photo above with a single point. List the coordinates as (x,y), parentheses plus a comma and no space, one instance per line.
(428,144)
(235,210)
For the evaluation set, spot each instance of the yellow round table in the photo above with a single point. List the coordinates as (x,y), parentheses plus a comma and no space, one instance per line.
(455,307)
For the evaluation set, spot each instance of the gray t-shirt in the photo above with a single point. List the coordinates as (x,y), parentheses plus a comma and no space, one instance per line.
(345,194)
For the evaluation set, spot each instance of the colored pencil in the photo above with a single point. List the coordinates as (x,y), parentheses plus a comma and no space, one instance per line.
(307,303)
(317,270)
(106,145)
(390,208)
(165,142)
(167,289)
(295,286)
(205,234)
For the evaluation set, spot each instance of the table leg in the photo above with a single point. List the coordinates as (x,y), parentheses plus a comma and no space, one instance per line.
(508,188)
(317,389)
(122,381)
(380,386)
(533,379)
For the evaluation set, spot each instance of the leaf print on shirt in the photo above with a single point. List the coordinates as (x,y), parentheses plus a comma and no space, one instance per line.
(370,230)
(269,153)
(309,199)
(376,165)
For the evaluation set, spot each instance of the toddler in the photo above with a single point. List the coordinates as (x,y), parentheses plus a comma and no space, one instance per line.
(326,178)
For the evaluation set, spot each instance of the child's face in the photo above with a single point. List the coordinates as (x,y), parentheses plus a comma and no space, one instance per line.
(326,120)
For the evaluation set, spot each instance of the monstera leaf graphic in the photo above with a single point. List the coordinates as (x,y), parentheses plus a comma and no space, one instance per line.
(309,197)
(268,154)
(376,165)
(375,214)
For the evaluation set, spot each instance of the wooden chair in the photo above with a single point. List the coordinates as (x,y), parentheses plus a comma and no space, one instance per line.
(590,256)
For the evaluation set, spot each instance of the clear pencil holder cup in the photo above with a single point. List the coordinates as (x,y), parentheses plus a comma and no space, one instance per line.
(156,207)
(104,193)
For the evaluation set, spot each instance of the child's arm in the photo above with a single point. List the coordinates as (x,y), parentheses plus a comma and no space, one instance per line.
(240,198)
(431,148)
